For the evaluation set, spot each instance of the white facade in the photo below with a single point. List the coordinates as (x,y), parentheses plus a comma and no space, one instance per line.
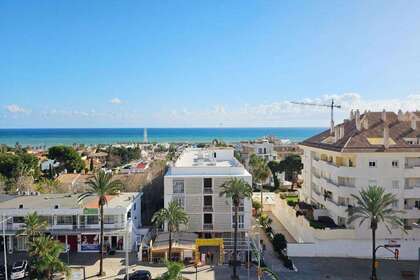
(76,225)
(330,173)
(195,181)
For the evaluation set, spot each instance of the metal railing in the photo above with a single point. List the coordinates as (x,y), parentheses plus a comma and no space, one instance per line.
(207,226)
(208,190)
(208,208)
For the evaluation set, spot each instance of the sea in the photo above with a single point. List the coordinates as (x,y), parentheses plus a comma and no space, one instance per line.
(90,136)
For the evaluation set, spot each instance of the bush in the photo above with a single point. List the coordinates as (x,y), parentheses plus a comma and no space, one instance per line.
(292,203)
(288,263)
(256,204)
(279,243)
(316,224)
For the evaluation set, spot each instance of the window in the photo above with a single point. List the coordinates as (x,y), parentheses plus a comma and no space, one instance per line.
(92,220)
(208,219)
(179,199)
(372,183)
(395,184)
(207,182)
(18,220)
(64,220)
(395,204)
(395,163)
(109,219)
(372,163)
(208,200)
(240,221)
(178,186)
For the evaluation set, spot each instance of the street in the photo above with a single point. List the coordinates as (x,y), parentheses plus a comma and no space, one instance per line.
(308,268)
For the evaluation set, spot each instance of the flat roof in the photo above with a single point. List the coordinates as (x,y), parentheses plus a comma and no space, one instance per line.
(66,200)
(204,158)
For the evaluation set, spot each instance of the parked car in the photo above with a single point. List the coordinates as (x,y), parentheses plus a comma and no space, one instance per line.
(140,275)
(20,270)
(2,271)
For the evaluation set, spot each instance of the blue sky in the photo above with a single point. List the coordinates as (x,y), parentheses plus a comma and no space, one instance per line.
(203,63)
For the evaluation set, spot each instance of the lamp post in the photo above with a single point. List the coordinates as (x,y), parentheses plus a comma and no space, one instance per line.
(126,251)
(4,246)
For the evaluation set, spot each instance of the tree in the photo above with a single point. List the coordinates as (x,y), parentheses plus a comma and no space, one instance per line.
(46,185)
(264,270)
(292,166)
(33,227)
(68,158)
(45,253)
(260,173)
(237,190)
(173,216)
(100,186)
(374,205)
(91,167)
(174,271)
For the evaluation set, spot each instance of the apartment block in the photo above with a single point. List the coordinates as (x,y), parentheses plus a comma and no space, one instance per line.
(194,181)
(75,224)
(373,148)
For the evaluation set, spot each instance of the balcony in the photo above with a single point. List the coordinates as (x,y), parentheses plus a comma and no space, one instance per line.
(207,226)
(208,190)
(207,208)
(240,209)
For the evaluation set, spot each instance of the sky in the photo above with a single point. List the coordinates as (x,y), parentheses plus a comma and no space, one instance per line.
(203,63)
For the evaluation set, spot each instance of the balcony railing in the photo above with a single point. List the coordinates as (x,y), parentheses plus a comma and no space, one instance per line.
(207,226)
(207,208)
(208,190)
(240,209)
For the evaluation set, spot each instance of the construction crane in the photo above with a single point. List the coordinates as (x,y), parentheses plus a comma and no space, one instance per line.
(331,106)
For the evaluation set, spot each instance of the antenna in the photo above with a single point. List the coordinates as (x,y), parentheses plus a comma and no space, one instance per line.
(331,106)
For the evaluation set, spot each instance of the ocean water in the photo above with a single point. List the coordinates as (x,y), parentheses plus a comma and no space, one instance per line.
(68,136)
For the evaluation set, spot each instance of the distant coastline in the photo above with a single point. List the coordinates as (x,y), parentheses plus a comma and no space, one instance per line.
(90,136)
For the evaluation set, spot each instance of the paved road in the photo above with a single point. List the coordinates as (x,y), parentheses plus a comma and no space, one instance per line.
(308,268)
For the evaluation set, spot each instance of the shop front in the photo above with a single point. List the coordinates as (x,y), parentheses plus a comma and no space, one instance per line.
(112,242)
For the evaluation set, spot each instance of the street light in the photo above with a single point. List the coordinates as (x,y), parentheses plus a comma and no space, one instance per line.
(4,246)
(126,250)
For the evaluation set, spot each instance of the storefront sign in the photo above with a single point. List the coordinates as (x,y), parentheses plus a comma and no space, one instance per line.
(89,247)
(90,211)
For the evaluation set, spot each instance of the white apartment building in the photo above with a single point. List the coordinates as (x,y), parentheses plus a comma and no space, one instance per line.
(74,223)
(194,181)
(374,148)
(262,148)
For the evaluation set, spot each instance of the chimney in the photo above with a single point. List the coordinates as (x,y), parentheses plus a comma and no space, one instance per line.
(386,136)
(365,122)
(336,133)
(341,131)
(358,122)
(384,115)
(351,114)
(413,123)
(400,115)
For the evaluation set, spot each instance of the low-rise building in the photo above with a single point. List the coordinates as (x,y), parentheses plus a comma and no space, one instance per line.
(194,181)
(74,223)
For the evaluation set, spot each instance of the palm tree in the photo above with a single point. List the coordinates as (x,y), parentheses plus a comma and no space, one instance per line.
(263,270)
(260,172)
(375,206)
(174,271)
(100,186)
(237,190)
(45,253)
(33,226)
(173,216)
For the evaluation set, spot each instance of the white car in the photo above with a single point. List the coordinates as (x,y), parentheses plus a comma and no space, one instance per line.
(20,270)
